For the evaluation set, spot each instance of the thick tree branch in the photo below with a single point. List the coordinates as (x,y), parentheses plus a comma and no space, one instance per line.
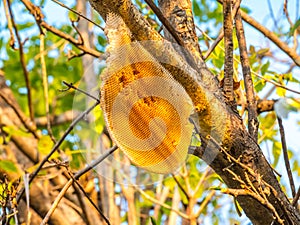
(165,22)
(28,146)
(236,6)
(142,31)
(180,15)
(228,60)
(265,105)
(251,99)
(12,116)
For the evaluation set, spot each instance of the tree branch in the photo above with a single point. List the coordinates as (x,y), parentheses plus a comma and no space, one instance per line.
(286,157)
(55,120)
(270,35)
(28,124)
(77,13)
(23,63)
(77,176)
(228,61)
(251,100)
(180,16)
(36,12)
(236,6)
(236,139)
(56,146)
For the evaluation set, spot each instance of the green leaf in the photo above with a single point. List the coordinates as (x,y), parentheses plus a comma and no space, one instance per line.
(45,145)
(73,16)
(296,167)
(25,26)
(217,188)
(265,67)
(281,92)
(252,49)
(196,8)
(263,51)
(296,25)
(259,85)
(8,166)
(99,120)
(102,40)
(11,130)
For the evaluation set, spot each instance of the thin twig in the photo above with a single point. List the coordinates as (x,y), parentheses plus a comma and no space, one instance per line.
(80,39)
(77,13)
(57,144)
(181,187)
(256,176)
(70,182)
(250,94)
(239,192)
(202,179)
(286,157)
(148,197)
(36,12)
(286,12)
(271,36)
(275,83)
(9,25)
(165,22)
(256,74)
(205,202)
(23,63)
(25,120)
(214,45)
(82,203)
(70,85)
(56,202)
(88,197)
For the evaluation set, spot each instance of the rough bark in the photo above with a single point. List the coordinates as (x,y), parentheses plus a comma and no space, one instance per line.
(250,166)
